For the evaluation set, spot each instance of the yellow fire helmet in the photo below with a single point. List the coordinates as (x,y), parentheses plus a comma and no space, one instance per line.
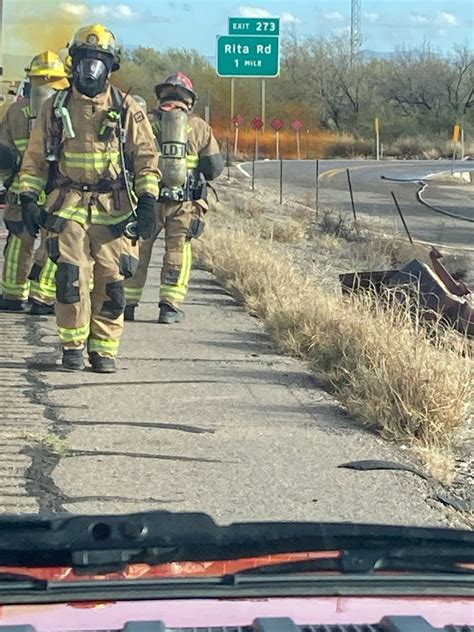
(96,37)
(48,67)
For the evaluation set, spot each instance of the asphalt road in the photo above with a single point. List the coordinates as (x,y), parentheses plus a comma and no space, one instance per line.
(372,194)
(203,416)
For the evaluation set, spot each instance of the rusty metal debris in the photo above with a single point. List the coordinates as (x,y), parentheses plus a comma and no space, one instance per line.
(437,294)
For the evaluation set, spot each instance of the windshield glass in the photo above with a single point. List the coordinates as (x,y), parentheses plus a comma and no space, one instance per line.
(237,271)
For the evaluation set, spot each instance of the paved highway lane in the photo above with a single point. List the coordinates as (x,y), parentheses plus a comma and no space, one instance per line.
(372,194)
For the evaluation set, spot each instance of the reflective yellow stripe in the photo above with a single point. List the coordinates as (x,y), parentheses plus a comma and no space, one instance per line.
(178,292)
(78,334)
(78,214)
(15,186)
(27,111)
(90,161)
(101,217)
(13,245)
(109,347)
(186,267)
(82,215)
(31,183)
(50,271)
(172,292)
(20,292)
(147,183)
(192,161)
(133,293)
(21,144)
(42,293)
(10,285)
(46,286)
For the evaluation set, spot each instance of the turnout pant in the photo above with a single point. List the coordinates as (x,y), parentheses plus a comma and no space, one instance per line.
(18,256)
(42,275)
(83,316)
(19,279)
(176,219)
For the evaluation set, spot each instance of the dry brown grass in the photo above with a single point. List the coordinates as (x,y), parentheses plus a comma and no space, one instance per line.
(424,148)
(250,215)
(348,146)
(380,364)
(284,231)
(404,147)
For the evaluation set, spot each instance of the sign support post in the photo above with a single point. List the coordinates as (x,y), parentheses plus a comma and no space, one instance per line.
(232,97)
(297,126)
(456,134)
(237,122)
(257,125)
(377,137)
(277,125)
(236,140)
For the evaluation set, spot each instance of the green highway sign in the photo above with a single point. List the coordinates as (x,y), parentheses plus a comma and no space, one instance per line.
(248,56)
(254,26)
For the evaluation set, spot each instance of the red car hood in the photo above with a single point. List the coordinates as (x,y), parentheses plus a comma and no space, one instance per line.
(438,611)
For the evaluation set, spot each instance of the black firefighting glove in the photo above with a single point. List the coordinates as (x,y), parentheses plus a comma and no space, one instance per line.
(31,213)
(146,222)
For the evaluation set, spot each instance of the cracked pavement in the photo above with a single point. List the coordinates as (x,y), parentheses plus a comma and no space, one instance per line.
(204,415)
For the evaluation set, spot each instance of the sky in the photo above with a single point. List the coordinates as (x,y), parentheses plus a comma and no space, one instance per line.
(386,24)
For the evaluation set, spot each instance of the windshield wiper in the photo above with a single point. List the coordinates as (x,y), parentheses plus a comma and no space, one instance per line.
(362,562)
(26,581)
(106,543)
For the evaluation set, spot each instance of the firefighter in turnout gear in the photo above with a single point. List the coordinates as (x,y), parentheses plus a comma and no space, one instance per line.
(189,157)
(19,279)
(85,142)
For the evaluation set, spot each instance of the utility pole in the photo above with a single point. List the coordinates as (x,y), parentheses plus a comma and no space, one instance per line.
(356,28)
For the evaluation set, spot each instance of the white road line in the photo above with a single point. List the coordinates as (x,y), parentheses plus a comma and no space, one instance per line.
(242,170)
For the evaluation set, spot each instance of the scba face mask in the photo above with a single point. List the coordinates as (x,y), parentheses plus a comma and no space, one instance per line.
(91,76)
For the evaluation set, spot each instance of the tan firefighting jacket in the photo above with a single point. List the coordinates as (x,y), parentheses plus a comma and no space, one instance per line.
(14,134)
(87,162)
(203,153)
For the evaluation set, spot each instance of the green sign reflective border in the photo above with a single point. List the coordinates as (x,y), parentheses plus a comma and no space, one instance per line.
(254,26)
(248,56)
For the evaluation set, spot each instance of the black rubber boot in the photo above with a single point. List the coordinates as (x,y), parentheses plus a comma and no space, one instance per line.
(41,309)
(170,315)
(9,305)
(129,312)
(102,364)
(73,360)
